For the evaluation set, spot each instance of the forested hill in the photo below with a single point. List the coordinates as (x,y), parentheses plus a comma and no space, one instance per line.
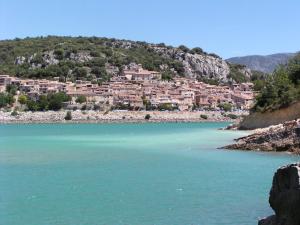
(97,59)
(281,88)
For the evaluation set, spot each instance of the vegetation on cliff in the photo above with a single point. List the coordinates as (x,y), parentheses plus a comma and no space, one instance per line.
(97,59)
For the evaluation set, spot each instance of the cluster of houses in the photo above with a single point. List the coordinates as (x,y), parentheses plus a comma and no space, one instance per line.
(135,86)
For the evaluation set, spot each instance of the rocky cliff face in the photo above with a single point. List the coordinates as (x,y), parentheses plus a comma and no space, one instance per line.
(282,137)
(285,197)
(198,65)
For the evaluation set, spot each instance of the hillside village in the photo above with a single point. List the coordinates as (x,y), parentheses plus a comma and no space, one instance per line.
(136,88)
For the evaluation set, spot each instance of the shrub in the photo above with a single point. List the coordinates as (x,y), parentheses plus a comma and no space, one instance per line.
(147,117)
(203,116)
(11,89)
(81,99)
(14,113)
(183,48)
(68,115)
(6,99)
(225,106)
(197,50)
(22,99)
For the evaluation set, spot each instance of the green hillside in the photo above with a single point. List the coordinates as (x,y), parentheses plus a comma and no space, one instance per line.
(79,57)
(97,59)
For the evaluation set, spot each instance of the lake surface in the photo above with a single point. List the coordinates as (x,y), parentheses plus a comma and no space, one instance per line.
(131,174)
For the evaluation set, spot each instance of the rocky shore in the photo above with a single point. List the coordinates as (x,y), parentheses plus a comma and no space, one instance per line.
(110,117)
(278,138)
(285,197)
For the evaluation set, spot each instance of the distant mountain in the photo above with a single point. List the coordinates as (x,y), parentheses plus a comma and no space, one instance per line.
(265,64)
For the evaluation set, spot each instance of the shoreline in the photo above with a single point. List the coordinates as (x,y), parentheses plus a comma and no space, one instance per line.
(99,117)
(113,121)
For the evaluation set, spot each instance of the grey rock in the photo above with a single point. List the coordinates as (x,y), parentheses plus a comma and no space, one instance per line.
(285,197)
(282,137)
(197,65)
(81,57)
(20,60)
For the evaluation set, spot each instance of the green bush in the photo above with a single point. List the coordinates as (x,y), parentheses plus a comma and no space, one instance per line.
(11,89)
(14,113)
(6,99)
(22,99)
(147,117)
(203,116)
(50,102)
(81,99)
(225,106)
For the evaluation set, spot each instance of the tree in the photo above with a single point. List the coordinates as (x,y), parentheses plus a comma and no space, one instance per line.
(147,117)
(294,69)
(183,48)
(22,99)
(32,106)
(12,89)
(59,53)
(166,76)
(3,100)
(80,72)
(258,85)
(280,90)
(81,99)
(225,106)
(43,103)
(197,50)
(56,100)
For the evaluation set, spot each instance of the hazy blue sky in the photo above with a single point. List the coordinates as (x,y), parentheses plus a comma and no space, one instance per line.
(226,27)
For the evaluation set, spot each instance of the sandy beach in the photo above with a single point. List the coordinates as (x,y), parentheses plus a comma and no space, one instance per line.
(112,116)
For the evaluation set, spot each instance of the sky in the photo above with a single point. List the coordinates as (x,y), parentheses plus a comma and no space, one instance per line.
(225,27)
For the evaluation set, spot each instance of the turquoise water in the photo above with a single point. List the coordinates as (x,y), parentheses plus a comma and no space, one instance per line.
(131,174)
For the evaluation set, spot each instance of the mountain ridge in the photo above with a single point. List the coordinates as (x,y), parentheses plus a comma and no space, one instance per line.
(262,63)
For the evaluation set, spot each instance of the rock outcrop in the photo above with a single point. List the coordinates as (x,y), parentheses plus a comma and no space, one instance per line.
(282,137)
(285,197)
(197,65)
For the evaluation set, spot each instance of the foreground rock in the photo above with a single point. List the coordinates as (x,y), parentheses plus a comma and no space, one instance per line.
(282,137)
(285,197)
